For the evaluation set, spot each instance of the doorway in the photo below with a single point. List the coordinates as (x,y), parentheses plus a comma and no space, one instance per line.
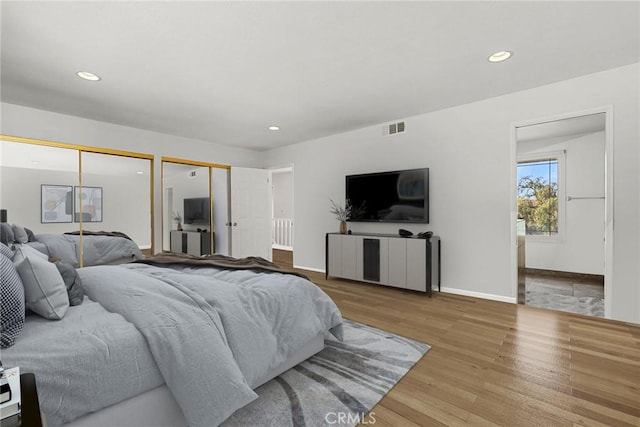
(282,209)
(282,216)
(562,212)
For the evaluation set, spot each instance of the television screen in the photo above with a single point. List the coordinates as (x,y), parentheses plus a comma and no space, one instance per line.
(196,210)
(400,196)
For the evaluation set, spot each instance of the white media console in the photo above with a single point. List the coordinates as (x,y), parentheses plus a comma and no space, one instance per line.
(385,259)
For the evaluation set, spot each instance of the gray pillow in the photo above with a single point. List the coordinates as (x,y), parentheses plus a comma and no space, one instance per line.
(23,250)
(44,289)
(75,290)
(19,235)
(6,251)
(11,303)
(30,235)
(6,233)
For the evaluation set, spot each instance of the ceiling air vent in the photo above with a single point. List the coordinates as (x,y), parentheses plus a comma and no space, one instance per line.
(393,128)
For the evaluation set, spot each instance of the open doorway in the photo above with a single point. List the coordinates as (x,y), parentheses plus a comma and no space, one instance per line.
(561,206)
(282,216)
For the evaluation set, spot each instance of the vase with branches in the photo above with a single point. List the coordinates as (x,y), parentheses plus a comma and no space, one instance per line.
(342,213)
(178,220)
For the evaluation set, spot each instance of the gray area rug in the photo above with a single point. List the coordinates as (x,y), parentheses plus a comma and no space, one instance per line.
(589,306)
(338,386)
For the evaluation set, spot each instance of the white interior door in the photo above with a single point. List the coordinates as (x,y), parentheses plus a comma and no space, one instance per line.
(250,213)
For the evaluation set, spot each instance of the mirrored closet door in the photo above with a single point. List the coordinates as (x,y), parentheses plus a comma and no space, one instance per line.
(195,206)
(54,189)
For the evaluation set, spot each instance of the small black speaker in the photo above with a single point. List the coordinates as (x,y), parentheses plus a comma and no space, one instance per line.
(405,233)
(3,215)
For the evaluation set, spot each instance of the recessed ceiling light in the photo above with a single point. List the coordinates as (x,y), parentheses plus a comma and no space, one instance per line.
(35,162)
(140,173)
(500,56)
(88,76)
(274,127)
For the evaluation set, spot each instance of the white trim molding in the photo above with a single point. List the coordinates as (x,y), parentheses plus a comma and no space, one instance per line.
(317,270)
(481,295)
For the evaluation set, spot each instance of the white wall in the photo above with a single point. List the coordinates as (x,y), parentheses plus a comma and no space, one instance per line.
(282,183)
(580,248)
(468,151)
(39,124)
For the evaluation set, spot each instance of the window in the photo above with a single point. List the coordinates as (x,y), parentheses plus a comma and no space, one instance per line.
(538,195)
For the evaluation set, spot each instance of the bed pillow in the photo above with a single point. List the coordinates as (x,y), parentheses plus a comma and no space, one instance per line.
(11,303)
(22,251)
(44,289)
(6,233)
(75,290)
(19,235)
(30,235)
(6,251)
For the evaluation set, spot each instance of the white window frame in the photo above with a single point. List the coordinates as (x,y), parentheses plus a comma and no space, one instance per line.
(560,156)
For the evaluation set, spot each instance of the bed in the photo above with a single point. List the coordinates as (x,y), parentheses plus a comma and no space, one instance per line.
(98,248)
(173,340)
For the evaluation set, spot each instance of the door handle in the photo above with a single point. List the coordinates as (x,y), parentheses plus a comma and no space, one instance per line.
(235,224)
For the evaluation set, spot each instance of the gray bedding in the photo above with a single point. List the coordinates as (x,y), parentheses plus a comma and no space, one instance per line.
(97,250)
(210,334)
(86,361)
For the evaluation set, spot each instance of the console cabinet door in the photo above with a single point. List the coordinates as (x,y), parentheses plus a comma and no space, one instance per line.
(334,258)
(417,264)
(349,257)
(176,241)
(398,263)
(193,243)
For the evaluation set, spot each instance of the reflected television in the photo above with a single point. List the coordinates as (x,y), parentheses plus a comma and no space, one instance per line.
(196,210)
(397,197)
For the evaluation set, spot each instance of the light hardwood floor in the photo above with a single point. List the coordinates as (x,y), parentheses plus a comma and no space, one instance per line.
(495,363)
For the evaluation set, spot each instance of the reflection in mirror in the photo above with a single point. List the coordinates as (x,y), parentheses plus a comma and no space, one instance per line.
(36,186)
(41,190)
(115,196)
(186,209)
(221,210)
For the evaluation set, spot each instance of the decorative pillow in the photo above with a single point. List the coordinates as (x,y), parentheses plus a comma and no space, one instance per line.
(30,235)
(11,303)
(6,251)
(22,251)
(19,234)
(44,289)
(75,290)
(6,233)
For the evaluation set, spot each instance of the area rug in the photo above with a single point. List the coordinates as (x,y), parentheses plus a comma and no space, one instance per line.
(589,306)
(338,386)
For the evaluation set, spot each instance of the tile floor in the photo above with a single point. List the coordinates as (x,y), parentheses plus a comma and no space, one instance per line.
(576,295)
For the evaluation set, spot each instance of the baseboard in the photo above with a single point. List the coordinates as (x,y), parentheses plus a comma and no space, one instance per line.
(317,270)
(482,295)
(565,274)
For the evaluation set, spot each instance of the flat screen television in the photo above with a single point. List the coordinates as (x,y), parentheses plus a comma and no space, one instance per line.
(196,210)
(399,196)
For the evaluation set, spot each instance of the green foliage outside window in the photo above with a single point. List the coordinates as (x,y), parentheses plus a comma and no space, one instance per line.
(538,202)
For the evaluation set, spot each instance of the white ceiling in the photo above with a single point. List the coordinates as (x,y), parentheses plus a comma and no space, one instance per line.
(565,128)
(224,71)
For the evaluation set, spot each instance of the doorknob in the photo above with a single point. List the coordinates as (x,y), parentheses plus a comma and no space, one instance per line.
(235,224)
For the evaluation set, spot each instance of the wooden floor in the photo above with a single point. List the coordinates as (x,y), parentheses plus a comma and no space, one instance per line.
(495,363)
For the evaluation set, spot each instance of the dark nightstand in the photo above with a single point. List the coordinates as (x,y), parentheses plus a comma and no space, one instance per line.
(30,411)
